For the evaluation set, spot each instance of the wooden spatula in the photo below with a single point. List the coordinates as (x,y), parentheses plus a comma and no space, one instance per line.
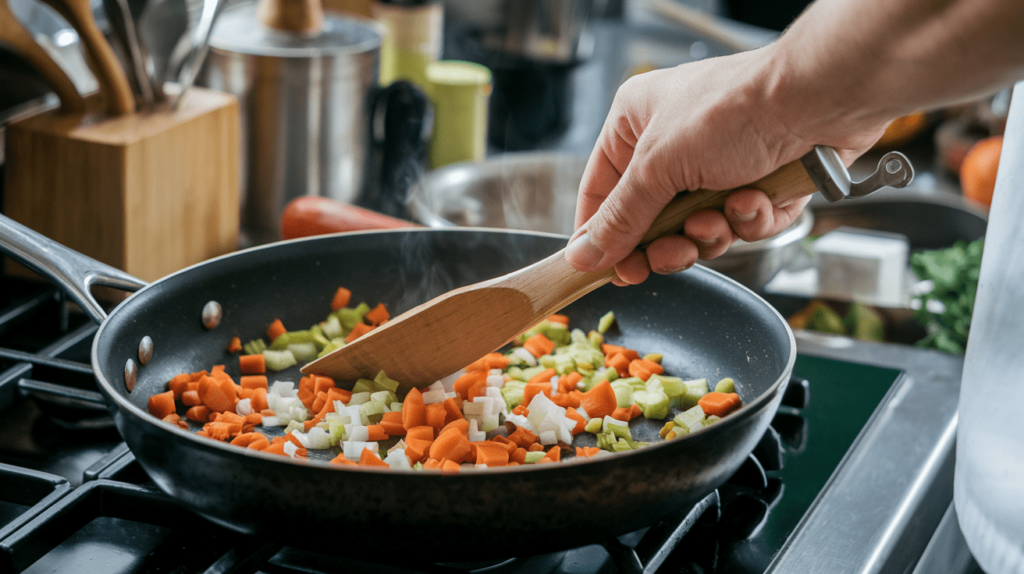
(449,332)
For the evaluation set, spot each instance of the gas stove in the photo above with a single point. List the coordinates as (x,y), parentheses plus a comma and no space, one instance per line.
(855,474)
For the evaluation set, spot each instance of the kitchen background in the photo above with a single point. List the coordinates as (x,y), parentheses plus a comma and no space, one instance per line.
(496,134)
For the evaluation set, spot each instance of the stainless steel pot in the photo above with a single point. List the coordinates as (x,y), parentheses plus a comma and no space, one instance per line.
(537,191)
(305,102)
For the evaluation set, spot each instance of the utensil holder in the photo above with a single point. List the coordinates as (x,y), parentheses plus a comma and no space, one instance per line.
(148,193)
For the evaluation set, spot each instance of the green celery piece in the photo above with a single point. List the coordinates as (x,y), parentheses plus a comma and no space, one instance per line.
(825,320)
(605,322)
(691,419)
(281,342)
(654,386)
(534,457)
(382,382)
(554,331)
(303,352)
(532,372)
(512,392)
(332,328)
(332,346)
(605,440)
(622,445)
(516,372)
(609,374)
(655,404)
(363,386)
(623,393)
(726,385)
(319,338)
(373,410)
(337,433)
(351,316)
(564,364)
(694,390)
(595,339)
(546,361)
(278,360)
(594,425)
(622,432)
(712,420)
(294,425)
(864,323)
(654,357)
(672,386)
(254,347)
(514,361)
(396,407)
(577,336)
(359,398)
(384,397)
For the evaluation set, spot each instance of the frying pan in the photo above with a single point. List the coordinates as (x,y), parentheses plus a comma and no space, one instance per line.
(705,324)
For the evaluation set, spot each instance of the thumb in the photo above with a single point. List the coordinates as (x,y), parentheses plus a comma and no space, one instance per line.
(619,224)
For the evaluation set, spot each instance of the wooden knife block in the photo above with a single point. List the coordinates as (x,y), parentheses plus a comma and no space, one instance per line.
(149,193)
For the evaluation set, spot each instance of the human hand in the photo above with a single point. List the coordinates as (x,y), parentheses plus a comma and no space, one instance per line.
(713,124)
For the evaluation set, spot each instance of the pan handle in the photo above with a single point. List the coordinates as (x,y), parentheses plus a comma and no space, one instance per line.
(73,272)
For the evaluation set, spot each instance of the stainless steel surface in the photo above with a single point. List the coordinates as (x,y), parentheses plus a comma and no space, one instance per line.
(186,62)
(73,272)
(830,175)
(122,23)
(755,264)
(305,110)
(545,30)
(947,551)
(888,495)
(163,25)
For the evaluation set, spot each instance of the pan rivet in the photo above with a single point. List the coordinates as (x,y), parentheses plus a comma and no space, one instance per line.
(145,350)
(130,372)
(211,315)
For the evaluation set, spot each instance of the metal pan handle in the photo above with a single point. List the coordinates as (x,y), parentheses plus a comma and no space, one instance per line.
(73,272)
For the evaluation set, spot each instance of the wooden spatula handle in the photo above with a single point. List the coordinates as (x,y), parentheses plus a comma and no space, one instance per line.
(783,185)
(299,16)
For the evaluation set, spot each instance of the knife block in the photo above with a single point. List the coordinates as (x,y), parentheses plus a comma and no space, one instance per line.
(149,193)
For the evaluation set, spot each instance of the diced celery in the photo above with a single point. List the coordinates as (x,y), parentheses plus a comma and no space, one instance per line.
(605,440)
(595,339)
(673,387)
(512,392)
(609,374)
(351,316)
(654,357)
(303,352)
(726,385)
(605,322)
(532,372)
(622,445)
(363,386)
(594,425)
(331,346)
(564,364)
(515,361)
(654,403)
(294,425)
(337,432)
(578,336)
(623,394)
(547,361)
(557,332)
(515,372)
(278,360)
(712,420)
(319,338)
(396,407)
(384,383)
(384,397)
(254,347)
(691,419)
(695,389)
(332,327)
(534,457)
(373,410)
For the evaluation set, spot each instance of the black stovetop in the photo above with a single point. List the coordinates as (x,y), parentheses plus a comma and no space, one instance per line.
(73,499)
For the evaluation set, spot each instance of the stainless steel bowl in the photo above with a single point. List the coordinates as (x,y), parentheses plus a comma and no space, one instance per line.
(537,191)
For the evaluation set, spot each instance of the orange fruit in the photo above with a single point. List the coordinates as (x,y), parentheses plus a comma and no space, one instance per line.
(978,171)
(902,130)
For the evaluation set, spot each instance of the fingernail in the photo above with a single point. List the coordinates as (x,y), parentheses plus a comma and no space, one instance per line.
(583,253)
(745,216)
(707,242)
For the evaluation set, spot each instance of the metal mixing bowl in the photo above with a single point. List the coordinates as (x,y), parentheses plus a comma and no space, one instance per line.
(537,191)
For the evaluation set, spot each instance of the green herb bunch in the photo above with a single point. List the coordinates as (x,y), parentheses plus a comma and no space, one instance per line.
(954,275)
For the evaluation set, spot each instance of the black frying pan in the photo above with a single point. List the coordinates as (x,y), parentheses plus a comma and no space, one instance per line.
(705,324)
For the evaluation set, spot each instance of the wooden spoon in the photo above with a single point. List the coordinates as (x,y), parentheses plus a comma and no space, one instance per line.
(305,17)
(15,35)
(449,332)
(114,86)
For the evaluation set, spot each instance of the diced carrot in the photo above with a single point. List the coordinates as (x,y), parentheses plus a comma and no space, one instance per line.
(539,345)
(643,368)
(252,364)
(267,413)
(535,447)
(587,451)
(319,402)
(414,412)
(488,362)
(217,370)
(450,466)
(368,458)
(452,410)
(172,418)
(276,329)
(183,424)
(222,431)
(626,414)
(462,425)
(258,400)
(321,383)
(191,398)
(556,318)
(218,395)
(235,346)
(340,459)
(567,383)
(244,393)
(432,464)
(245,439)
(719,404)
(254,418)
(599,401)
(193,386)
(253,381)
(377,432)
(358,331)
(521,410)
(553,455)
(422,432)
(478,389)
(619,362)
(608,349)
(198,413)
(392,423)
(570,399)
(543,377)
(435,415)
(416,450)
(452,445)
(339,394)
(278,448)
(162,404)
(522,437)
(465,382)
(341,298)
(179,384)
(306,396)
(581,423)
(377,315)
(199,375)
(519,456)
(533,389)
(493,456)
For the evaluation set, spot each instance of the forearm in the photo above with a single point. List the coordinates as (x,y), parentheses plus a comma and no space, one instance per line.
(852,65)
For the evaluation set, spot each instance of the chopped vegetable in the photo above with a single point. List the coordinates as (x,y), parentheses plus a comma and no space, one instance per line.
(945,309)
